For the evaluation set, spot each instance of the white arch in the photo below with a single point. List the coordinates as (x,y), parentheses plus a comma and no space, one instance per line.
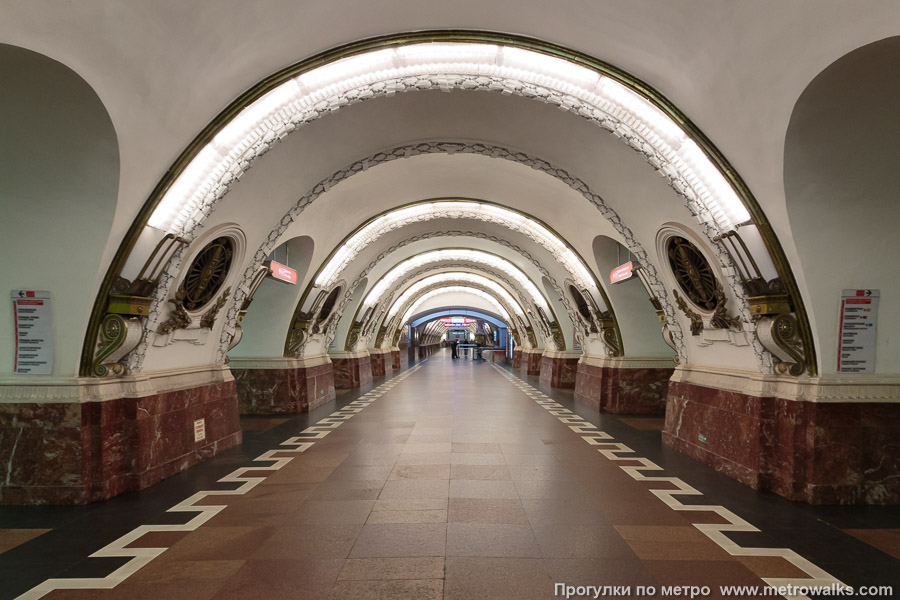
(448,65)
(459,276)
(453,254)
(498,279)
(454,209)
(455,289)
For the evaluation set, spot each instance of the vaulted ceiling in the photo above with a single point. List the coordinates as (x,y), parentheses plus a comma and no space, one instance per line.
(159,82)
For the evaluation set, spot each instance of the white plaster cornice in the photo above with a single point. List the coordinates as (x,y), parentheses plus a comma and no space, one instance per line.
(561,354)
(628,362)
(279,362)
(60,390)
(338,354)
(827,388)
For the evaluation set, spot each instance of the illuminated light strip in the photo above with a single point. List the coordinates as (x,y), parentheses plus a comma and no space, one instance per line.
(462,278)
(140,557)
(458,289)
(454,209)
(446,66)
(612,450)
(455,254)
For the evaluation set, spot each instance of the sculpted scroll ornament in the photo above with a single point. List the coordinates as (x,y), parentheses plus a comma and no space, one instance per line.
(449,147)
(696,320)
(209,317)
(179,319)
(780,336)
(118,337)
(605,117)
(720,318)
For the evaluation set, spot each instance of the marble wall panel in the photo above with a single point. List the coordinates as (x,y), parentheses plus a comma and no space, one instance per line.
(351,372)
(73,453)
(379,364)
(817,452)
(626,391)
(284,391)
(531,363)
(558,371)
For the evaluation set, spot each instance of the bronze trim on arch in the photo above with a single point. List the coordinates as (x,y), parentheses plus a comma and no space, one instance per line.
(311,285)
(449,35)
(363,322)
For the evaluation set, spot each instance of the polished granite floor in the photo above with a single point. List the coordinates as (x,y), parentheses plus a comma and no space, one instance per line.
(452,479)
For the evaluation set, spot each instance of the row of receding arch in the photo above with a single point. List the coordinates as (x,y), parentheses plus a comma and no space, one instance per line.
(451,60)
(389,303)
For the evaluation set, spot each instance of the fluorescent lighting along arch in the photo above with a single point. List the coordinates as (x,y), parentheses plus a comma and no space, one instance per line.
(457,289)
(460,276)
(446,65)
(453,254)
(454,209)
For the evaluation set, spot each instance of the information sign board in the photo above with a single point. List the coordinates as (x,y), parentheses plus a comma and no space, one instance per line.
(33,332)
(856,336)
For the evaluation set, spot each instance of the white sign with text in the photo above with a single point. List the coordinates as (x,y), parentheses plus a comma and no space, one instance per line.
(33,332)
(856,337)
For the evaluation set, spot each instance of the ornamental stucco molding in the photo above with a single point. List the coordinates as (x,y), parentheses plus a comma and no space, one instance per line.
(524,301)
(86,389)
(610,117)
(458,233)
(426,148)
(348,292)
(394,322)
(823,389)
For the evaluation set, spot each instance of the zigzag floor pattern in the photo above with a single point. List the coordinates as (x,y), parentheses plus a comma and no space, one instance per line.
(617,451)
(140,557)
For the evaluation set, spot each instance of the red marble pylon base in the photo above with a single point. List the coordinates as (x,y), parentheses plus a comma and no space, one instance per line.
(558,371)
(530,363)
(817,452)
(517,359)
(352,372)
(426,351)
(74,453)
(283,391)
(381,364)
(395,360)
(626,391)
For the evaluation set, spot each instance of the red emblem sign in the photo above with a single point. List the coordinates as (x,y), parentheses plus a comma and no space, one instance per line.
(621,273)
(282,272)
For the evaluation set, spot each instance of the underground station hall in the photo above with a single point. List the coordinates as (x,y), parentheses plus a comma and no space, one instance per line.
(471,299)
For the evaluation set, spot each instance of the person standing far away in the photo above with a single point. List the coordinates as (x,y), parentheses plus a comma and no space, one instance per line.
(454,351)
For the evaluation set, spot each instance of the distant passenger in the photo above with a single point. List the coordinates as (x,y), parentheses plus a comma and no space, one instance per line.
(454,351)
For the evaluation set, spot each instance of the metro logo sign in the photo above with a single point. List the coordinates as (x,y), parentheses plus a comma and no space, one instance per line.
(282,272)
(622,272)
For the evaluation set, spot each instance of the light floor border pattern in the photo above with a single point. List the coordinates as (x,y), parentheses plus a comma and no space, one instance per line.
(140,557)
(612,450)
